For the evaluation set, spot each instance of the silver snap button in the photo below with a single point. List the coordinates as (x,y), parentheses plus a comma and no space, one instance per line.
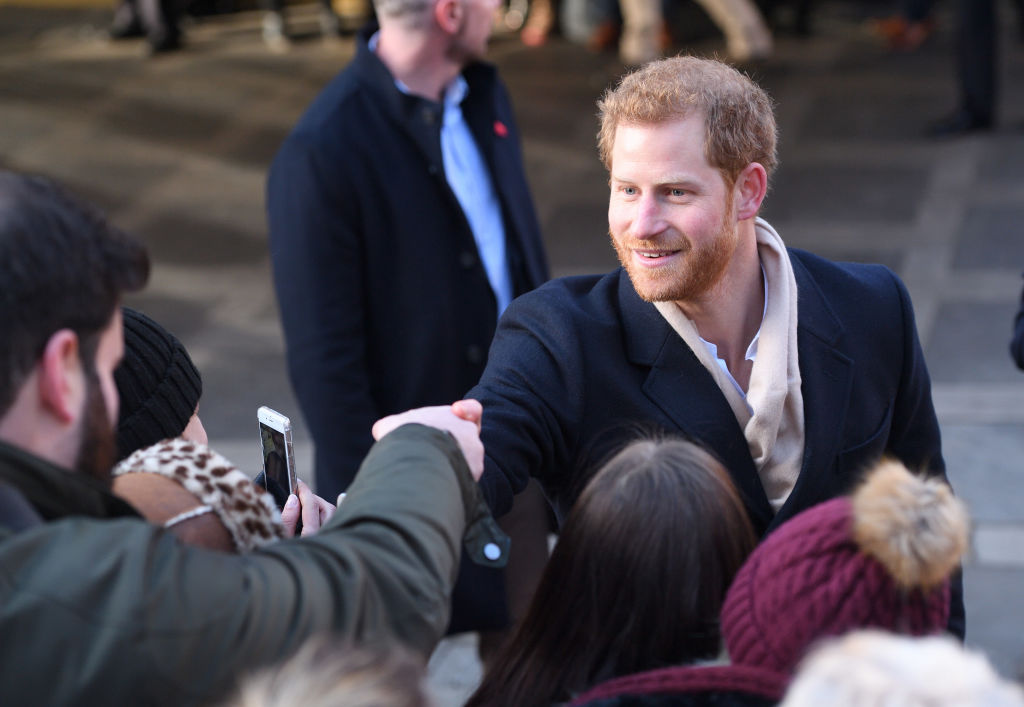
(492,551)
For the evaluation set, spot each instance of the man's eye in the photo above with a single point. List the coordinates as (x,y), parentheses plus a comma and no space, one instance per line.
(629,191)
(678,192)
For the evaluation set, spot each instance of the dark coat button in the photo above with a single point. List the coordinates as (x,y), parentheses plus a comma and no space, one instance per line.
(467,259)
(474,354)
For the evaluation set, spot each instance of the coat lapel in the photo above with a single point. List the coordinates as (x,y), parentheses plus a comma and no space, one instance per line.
(680,386)
(827,376)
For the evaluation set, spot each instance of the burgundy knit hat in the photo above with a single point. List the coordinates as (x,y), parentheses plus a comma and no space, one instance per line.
(881,558)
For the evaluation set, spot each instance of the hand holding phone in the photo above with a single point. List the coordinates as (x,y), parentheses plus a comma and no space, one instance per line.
(278,454)
(308,513)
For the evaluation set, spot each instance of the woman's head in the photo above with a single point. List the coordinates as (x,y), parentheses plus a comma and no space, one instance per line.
(158,385)
(658,534)
(637,578)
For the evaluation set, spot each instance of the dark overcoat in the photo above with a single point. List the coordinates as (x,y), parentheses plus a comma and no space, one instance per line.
(384,301)
(582,365)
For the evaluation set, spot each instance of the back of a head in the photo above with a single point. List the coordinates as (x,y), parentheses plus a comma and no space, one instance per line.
(326,673)
(412,14)
(665,515)
(636,579)
(62,267)
(878,669)
(738,114)
(157,383)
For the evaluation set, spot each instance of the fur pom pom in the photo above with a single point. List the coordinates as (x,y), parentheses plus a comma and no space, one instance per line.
(914,526)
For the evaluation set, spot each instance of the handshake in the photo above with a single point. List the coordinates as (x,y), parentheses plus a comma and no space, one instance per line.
(461,420)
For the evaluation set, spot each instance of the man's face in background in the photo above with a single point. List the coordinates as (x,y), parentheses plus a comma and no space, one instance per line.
(470,43)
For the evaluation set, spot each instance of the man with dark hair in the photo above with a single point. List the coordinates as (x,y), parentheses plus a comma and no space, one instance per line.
(63,269)
(798,373)
(99,607)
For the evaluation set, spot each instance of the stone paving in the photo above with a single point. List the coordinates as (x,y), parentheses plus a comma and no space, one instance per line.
(176,149)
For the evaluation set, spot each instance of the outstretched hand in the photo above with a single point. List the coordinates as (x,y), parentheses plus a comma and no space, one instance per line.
(314,511)
(470,410)
(461,419)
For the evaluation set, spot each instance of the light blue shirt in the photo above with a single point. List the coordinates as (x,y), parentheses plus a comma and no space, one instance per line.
(470,181)
(750,356)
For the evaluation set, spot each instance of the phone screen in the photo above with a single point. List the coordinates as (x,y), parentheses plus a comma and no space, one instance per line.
(275,461)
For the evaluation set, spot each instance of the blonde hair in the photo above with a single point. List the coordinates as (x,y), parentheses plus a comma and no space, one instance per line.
(739,116)
(877,669)
(326,673)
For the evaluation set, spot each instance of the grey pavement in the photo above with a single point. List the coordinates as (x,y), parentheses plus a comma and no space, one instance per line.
(176,149)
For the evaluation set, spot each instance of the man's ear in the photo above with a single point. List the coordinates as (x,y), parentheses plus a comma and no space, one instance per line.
(749,190)
(448,14)
(61,377)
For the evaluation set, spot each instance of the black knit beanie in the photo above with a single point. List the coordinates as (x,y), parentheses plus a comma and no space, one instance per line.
(158,384)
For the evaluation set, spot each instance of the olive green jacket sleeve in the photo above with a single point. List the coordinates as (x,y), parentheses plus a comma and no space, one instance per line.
(119,612)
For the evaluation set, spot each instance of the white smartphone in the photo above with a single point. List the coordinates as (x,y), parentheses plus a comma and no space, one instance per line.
(278,454)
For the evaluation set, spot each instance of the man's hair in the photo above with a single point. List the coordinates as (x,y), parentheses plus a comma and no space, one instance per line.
(411,13)
(62,266)
(636,580)
(739,118)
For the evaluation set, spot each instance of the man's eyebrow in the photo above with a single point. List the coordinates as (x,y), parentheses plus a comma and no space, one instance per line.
(676,180)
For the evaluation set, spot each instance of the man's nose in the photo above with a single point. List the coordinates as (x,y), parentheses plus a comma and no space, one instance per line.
(649,220)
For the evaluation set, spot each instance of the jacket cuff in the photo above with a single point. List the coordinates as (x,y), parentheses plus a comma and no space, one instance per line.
(486,544)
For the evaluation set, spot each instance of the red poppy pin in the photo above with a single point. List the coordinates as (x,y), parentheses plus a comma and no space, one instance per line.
(499,129)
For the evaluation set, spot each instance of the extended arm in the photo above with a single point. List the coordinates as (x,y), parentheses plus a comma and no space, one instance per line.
(186,621)
(532,397)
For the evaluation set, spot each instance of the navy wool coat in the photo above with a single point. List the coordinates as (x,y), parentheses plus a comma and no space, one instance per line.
(582,365)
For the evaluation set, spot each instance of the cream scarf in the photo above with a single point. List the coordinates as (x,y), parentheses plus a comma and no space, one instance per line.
(775,430)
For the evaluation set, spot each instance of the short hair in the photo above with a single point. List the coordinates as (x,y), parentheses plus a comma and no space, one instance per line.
(636,580)
(412,13)
(739,117)
(327,672)
(62,266)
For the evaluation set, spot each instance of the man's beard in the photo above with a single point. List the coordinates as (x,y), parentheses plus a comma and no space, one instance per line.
(698,273)
(96,447)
